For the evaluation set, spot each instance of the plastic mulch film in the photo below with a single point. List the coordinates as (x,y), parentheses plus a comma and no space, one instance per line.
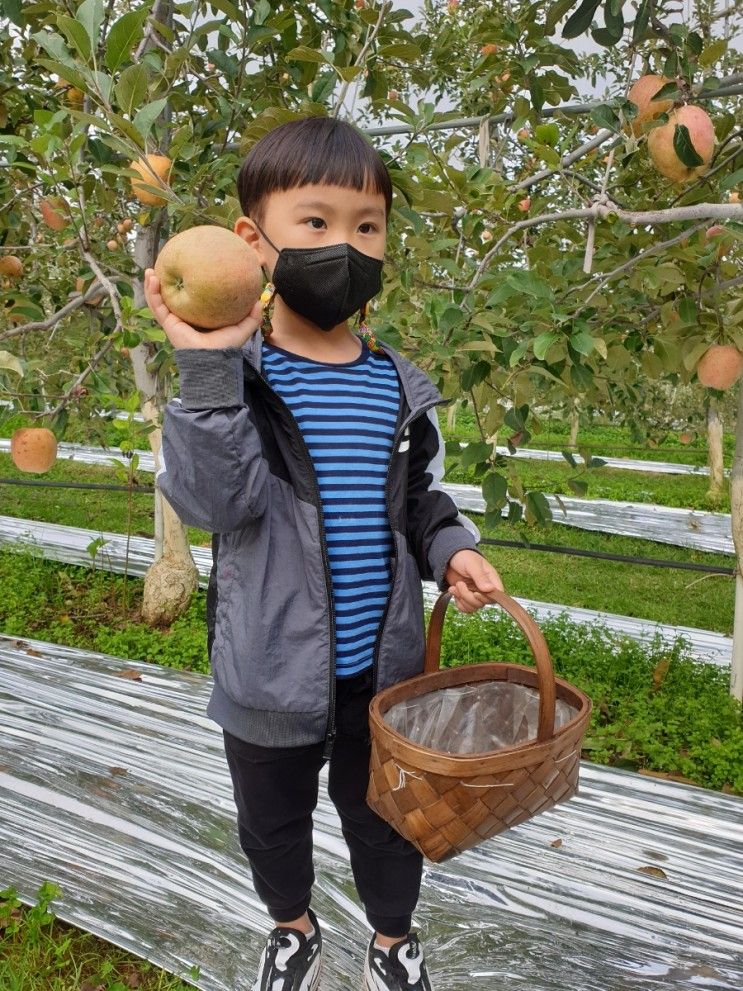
(117,789)
(472,719)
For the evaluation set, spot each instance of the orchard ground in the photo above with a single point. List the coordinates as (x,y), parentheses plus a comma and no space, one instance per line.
(656,711)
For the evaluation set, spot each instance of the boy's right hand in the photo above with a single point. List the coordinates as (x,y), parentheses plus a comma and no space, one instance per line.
(183,335)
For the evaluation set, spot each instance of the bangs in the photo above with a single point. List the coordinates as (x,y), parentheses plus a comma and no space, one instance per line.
(312,150)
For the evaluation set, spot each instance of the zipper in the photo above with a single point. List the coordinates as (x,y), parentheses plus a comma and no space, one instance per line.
(398,437)
(330,731)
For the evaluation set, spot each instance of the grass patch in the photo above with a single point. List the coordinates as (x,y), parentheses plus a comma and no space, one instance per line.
(39,952)
(610,439)
(684,491)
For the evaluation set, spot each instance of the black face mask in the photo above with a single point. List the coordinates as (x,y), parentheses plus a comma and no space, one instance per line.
(325,285)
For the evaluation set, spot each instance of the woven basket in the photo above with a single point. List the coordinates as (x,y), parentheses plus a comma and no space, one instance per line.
(446,802)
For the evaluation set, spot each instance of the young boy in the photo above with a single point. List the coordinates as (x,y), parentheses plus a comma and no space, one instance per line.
(313,455)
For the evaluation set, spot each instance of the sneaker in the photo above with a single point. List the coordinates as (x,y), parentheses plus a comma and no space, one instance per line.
(290,960)
(403,970)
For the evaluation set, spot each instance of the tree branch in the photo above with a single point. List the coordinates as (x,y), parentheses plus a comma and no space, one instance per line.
(74,304)
(697,211)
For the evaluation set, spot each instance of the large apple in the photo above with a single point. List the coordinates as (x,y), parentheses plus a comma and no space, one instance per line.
(702,135)
(720,366)
(642,92)
(33,449)
(209,276)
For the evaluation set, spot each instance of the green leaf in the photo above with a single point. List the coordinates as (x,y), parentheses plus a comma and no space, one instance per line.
(582,342)
(323,86)
(578,22)
(604,116)
(350,72)
(131,89)
(495,489)
(641,22)
(684,148)
(146,117)
(123,36)
(529,283)
(580,488)
(70,74)
(90,15)
(11,363)
(12,10)
(56,47)
(694,43)
(76,35)
(614,18)
(556,13)
(688,310)
(713,52)
(668,89)
(304,54)
(515,511)
(406,51)
(606,37)
(548,134)
(537,508)
(104,83)
(544,342)
(732,180)
(475,453)
(570,459)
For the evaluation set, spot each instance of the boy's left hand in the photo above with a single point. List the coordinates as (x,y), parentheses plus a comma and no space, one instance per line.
(471,577)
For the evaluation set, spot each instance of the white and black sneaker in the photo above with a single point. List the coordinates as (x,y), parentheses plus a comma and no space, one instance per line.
(290,960)
(404,969)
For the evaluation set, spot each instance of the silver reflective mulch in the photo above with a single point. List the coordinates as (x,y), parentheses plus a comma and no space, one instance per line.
(118,790)
(69,545)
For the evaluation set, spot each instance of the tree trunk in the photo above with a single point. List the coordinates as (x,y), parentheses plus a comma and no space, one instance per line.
(714,451)
(451,414)
(172,578)
(736,519)
(574,424)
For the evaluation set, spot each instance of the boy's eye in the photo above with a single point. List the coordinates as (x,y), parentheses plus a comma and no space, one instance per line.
(311,220)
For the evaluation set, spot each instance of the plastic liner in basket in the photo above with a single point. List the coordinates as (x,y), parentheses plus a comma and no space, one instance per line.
(476,718)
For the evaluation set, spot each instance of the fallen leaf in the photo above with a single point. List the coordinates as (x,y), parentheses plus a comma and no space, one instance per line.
(660,671)
(653,871)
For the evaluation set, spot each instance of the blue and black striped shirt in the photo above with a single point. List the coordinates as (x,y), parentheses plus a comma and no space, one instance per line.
(347,414)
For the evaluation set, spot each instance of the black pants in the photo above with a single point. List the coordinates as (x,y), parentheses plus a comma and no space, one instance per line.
(276,790)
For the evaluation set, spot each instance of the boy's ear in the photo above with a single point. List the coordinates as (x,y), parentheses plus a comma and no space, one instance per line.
(246,229)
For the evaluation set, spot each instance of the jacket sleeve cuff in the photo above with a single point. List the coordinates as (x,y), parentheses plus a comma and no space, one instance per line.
(210,377)
(446,543)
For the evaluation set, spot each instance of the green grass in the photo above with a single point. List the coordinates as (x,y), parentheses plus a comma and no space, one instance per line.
(551,477)
(600,438)
(39,952)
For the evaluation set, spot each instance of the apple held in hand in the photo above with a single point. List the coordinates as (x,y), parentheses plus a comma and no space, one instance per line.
(209,277)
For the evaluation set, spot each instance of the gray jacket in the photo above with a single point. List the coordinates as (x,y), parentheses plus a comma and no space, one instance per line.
(234,463)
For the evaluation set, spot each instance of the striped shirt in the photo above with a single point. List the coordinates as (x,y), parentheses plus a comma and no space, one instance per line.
(347,413)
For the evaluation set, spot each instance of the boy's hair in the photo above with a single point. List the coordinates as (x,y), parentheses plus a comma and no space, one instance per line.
(310,150)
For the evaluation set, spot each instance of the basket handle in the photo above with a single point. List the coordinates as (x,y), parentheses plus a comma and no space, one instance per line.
(535,637)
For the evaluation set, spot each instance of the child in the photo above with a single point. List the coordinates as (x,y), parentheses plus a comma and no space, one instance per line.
(314,456)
